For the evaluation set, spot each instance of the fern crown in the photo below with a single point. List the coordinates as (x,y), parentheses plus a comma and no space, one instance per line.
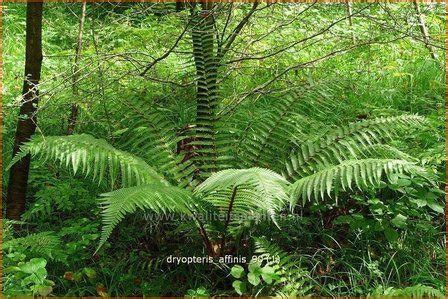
(350,156)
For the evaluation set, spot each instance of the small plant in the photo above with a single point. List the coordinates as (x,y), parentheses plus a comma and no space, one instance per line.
(273,272)
(199,292)
(418,291)
(27,277)
(256,280)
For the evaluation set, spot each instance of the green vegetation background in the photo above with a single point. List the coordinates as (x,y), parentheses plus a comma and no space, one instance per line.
(378,241)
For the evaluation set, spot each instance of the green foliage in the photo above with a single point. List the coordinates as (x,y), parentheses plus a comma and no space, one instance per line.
(346,142)
(342,121)
(293,278)
(273,271)
(152,136)
(156,197)
(59,197)
(361,173)
(277,124)
(263,189)
(206,64)
(412,291)
(28,278)
(91,156)
(199,292)
(39,244)
(257,190)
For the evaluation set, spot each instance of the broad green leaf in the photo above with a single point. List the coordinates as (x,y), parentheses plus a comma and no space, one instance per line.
(239,286)
(399,221)
(253,278)
(391,234)
(237,271)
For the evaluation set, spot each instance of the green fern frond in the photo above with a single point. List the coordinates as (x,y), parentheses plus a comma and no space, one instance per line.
(294,278)
(248,206)
(43,243)
(276,124)
(271,252)
(420,291)
(91,156)
(415,291)
(264,179)
(346,142)
(361,173)
(258,191)
(155,197)
(385,151)
(206,62)
(152,139)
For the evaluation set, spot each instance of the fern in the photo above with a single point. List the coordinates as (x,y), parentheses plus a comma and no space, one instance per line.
(39,244)
(150,136)
(295,280)
(155,197)
(324,167)
(257,190)
(91,156)
(385,151)
(361,173)
(343,143)
(418,290)
(277,125)
(206,62)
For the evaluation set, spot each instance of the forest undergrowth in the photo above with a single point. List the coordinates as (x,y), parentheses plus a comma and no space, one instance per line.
(294,149)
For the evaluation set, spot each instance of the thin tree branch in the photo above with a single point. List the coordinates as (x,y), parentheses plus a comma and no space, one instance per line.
(74,107)
(396,29)
(167,53)
(424,30)
(296,67)
(231,38)
(326,29)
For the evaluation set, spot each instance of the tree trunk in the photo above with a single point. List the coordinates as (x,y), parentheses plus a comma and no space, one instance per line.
(26,124)
(74,109)
(424,30)
(350,20)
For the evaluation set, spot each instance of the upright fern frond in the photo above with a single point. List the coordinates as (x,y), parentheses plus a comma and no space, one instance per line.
(343,143)
(258,191)
(270,134)
(272,252)
(267,136)
(151,137)
(206,62)
(91,156)
(361,173)
(155,197)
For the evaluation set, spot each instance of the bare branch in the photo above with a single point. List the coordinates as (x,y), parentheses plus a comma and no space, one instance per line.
(231,38)
(167,53)
(323,31)
(261,87)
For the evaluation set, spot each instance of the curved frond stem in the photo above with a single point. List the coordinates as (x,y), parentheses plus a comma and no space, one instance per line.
(259,191)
